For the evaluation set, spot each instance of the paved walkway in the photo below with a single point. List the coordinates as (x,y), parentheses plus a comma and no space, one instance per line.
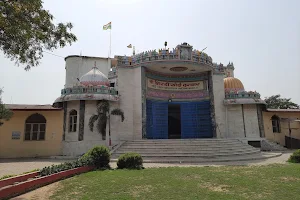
(19,166)
(12,166)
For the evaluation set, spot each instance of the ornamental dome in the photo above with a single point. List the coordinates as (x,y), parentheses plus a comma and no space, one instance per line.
(94,78)
(231,83)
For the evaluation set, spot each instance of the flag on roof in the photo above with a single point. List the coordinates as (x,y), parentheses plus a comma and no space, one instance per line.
(107,26)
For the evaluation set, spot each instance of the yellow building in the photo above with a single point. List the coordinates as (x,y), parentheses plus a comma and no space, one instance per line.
(33,131)
(282,126)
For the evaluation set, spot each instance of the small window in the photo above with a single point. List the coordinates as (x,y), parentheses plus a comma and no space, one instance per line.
(35,127)
(73,121)
(275,124)
(112,84)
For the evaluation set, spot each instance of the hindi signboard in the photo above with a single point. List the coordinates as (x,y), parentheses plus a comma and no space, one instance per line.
(175,85)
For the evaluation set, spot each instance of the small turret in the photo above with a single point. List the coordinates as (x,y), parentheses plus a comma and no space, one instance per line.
(230,70)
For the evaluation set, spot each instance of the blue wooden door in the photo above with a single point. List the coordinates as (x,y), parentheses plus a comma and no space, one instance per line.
(160,120)
(196,120)
(157,120)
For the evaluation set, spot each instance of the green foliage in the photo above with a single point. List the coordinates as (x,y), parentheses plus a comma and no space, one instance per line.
(295,157)
(102,116)
(7,176)
(92,121)
(64,166)
(275,102)
(130,161)
(99,156)
(5,114)
(27,29)
(119,112)
(12,175)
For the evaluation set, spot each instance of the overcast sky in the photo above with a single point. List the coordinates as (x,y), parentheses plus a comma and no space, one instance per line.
(261,38)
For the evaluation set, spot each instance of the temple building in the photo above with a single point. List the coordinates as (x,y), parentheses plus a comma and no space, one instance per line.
(177,93)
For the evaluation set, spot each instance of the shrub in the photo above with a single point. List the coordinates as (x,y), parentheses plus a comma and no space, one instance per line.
(99,156)
(295,157)
(64,166)
(130,161)
(7,176)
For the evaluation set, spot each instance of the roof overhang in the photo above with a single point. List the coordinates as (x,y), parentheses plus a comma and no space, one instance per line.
(30,107)
(77,97)
(243,101)
(283,110)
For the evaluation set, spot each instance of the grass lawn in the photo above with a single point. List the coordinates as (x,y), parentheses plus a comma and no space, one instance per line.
(232,182)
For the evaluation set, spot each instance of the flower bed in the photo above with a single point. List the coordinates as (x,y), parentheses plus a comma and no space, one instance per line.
(20,178)
(14,190)
(97,157)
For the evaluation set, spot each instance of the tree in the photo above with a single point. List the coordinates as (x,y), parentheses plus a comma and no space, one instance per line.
(276,102)
(5,114)
(26,30)
(103,114)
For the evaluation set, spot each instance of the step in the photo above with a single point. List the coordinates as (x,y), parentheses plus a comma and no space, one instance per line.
(191,154)
(179,146)
(191,151)
(193,139)
(185,147)
(186,142)
(208,160)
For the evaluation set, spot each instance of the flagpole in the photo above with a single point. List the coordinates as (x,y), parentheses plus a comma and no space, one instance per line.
(109,42)
(109,67)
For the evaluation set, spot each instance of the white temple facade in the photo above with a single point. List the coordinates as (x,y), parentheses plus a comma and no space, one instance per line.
(177,93)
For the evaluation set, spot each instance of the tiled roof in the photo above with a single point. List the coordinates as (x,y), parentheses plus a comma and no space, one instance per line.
(30,107)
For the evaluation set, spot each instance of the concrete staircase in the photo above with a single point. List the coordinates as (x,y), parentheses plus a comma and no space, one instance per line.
(190,150)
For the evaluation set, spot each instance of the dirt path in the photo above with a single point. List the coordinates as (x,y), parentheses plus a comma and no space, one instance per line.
(43,193)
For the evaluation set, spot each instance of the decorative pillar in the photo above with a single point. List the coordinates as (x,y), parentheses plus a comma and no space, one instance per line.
(144,119)
(212,105)
(65,106)
(81,120)
(244,120)
(260,120)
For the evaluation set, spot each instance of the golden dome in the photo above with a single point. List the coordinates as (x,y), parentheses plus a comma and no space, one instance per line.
(231,83)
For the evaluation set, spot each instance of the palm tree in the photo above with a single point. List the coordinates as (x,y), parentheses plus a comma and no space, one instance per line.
(103,114)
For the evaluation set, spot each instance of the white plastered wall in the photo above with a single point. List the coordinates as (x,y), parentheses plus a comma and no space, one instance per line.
(251,121)
(126,87)
(219,95)
(235,121)
(137,103)
(78,66)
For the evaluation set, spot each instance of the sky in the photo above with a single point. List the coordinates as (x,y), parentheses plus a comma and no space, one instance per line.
(261,38)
